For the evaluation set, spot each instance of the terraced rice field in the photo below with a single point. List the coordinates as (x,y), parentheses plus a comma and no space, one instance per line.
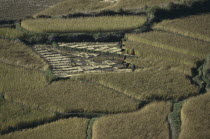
(69,63)
(173,42)
(195,26)
(18,9)
(84,24)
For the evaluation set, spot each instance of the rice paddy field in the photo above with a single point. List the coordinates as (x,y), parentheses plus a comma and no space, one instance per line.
(148,122)
(195,26)
(86,24)
(71,128)
(143,86)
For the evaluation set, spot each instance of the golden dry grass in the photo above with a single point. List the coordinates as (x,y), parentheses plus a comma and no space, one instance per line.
(195,118)
(147,85)
(149,122)
(10,33)
(31,88)
(17,53)
(72,128)
(14,115)
(74,6)
(148,51)
(196,26)
(84,24)
(173,42)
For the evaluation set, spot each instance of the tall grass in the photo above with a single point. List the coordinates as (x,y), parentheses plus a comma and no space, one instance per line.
(17,53)
(195,26)
(87,24)
(72,128)
(31,88)
(195,118)
(10,33)
(149,122)
(173,42)
(147,85)
(14,115)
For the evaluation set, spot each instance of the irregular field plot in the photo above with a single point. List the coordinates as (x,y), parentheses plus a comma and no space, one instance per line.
(147,85)
(15,115)
(95,47)
(195,118)
(74,6)
(10,33)
(84,24)
(18,9)
(74,128)
(196,26)
(30,88)
(17,53)
(149,122)
(176,43)
(69,63)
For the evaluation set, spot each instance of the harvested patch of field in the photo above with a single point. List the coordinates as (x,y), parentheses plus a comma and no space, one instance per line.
(74,6)
(18,9)
(70,63)
(196,26)
(149,122)
(31,88)
(84,24)
(173,42)
(72,128)
(17,53)
(15,115)
(147,85)
(195,118)
(10,33)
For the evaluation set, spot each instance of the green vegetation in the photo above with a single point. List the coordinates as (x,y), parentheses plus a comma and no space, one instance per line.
(10,33)
(195,118)
(173,42)
(87,24)
(147,85)
(14,115)
(149,122)
(175,119)
(31,88)
(17,53)
(74,6)
(195,26)
(72,128)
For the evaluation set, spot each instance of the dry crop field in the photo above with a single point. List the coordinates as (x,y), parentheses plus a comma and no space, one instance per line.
(18,9)
(196,26)
(141,87)
(84,24)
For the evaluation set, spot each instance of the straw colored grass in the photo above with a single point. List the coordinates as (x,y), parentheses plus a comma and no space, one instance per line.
(149,122)
(30,88)
(15,115)
(196,26)
(147,85)
(195,118)
(173,42)
(84,24)
(74,6)
(148,51)
(17,53)
(10,33)
(72,128)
